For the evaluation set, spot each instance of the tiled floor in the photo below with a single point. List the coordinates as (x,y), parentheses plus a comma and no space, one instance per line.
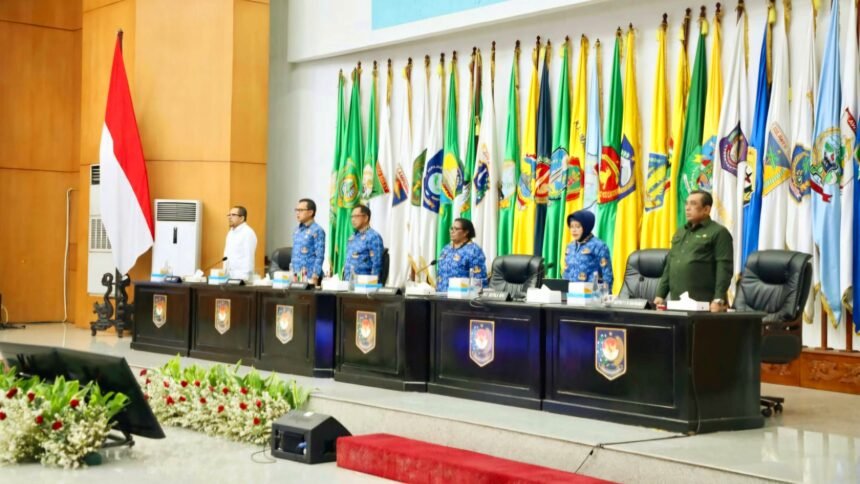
(817,439)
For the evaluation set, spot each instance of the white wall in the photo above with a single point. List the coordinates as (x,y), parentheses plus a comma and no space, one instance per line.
(302,94)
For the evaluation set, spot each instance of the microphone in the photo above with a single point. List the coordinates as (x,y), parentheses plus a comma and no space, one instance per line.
(431,264)
(215,264)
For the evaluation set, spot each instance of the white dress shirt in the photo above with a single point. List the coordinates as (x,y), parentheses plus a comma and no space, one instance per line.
(240,248)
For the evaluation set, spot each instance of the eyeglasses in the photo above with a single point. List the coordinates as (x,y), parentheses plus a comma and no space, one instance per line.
(297,210)
(454,229)
(233,215)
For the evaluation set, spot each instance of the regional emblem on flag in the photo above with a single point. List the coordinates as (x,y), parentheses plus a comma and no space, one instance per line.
(557,174)
(159,310)
(482,341)
(433,183)
(365,331)
(610,352)
(222,315)
(284,323)
(509,184)
(826,166)
(608,175)
(799,182)
(733,150)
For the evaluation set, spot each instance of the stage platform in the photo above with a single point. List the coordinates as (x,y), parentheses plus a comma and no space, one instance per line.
(816,439)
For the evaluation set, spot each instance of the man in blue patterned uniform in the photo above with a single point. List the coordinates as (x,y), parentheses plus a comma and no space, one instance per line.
(308,242)
(364,249)
(461,256)
(586,254)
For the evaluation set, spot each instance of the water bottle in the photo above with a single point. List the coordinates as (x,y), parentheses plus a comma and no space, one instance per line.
(474,281)
(304,274)
(595,290)
(605,293)
(292,274)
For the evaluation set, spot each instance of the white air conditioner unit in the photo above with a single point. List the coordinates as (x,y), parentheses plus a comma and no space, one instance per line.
(99,257)
(178,233)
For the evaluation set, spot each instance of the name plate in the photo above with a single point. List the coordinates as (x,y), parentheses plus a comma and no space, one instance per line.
(235,282)
(491,295)
(300,285)
(173,279)
(389,291)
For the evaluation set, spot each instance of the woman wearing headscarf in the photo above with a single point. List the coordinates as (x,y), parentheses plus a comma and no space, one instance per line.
(586,254)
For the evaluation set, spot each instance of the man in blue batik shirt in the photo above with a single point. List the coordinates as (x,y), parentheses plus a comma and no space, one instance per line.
(364,249)
(461,257)
(308,242)
(586,255)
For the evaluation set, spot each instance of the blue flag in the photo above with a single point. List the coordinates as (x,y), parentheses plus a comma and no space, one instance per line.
(755,160)
(826,170)
(855,277)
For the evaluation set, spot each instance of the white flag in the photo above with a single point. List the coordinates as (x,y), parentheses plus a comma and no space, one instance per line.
(416,161)
(593,138)
(777,148)
(733,138)
(798,229)
(485,183)
(848,127)
(397,230)
(432,184)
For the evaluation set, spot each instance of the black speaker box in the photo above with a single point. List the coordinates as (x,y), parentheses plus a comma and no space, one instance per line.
(307,437)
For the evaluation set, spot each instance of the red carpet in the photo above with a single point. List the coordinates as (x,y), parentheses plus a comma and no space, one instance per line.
(408,460)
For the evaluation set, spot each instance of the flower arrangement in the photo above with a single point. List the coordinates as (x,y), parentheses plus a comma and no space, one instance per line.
(219,401)
(56,423)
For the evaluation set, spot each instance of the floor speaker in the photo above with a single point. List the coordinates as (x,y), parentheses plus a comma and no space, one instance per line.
(307,437)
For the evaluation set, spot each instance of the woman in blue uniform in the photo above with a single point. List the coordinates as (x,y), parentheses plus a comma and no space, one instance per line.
(586,254)
(461,256)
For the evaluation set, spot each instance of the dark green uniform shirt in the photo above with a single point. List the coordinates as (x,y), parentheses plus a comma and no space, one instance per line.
(700,262)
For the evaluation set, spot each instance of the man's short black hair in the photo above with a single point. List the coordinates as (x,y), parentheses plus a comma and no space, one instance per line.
(707,199)
(364,210)
(467,226)
(243,212)
(311,205)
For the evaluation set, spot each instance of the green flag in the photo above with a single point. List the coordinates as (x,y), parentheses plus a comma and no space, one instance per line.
(464,197)
(555,223)
(339,142)
(610,160)
(451,167)
(510,167)
(691,143)
(370,187)
(347,180)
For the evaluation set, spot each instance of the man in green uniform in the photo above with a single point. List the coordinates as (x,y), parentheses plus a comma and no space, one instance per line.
(701,258)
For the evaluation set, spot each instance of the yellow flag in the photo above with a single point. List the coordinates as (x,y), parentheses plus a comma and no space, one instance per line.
(629,216)
(679,113)
(525,214)
(655,223)
(713,105)
(575,173)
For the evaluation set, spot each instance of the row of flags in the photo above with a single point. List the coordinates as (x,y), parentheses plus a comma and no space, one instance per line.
(781,167)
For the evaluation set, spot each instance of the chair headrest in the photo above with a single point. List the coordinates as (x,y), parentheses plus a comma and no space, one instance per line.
(648,262)
(776,266)
(282,256)
(517,268)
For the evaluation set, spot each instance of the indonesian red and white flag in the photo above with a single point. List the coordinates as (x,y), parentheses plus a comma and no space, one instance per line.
(125,204)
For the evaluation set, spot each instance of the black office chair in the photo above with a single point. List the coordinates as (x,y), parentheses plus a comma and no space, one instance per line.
(776,282)
(642,275)
(515,274)
(281,258)
(383,271)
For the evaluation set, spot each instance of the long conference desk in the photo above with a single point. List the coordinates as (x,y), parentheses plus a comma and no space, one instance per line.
(678,371)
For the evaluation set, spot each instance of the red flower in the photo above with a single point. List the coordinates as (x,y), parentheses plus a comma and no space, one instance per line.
(196,383)
(225,390)
(2,416)
(166,385)
(220,408)
(243,406)
(57,425)
(259,404)
(39,420)
(148,381)
(12,392)
(244,391)
(203,400)
(183,383)
(211,388)
(31,396)
(146,396)
(256,421)
(143,372)
(170,401)
(74,403)
(181,398)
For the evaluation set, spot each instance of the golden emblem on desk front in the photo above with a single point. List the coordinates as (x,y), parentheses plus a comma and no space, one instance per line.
(159,310)
(284,323)
(222,315)
(365,331)
(482,341)
(610,352)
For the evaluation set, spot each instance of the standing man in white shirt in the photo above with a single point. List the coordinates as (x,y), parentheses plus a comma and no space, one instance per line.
(241,245)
